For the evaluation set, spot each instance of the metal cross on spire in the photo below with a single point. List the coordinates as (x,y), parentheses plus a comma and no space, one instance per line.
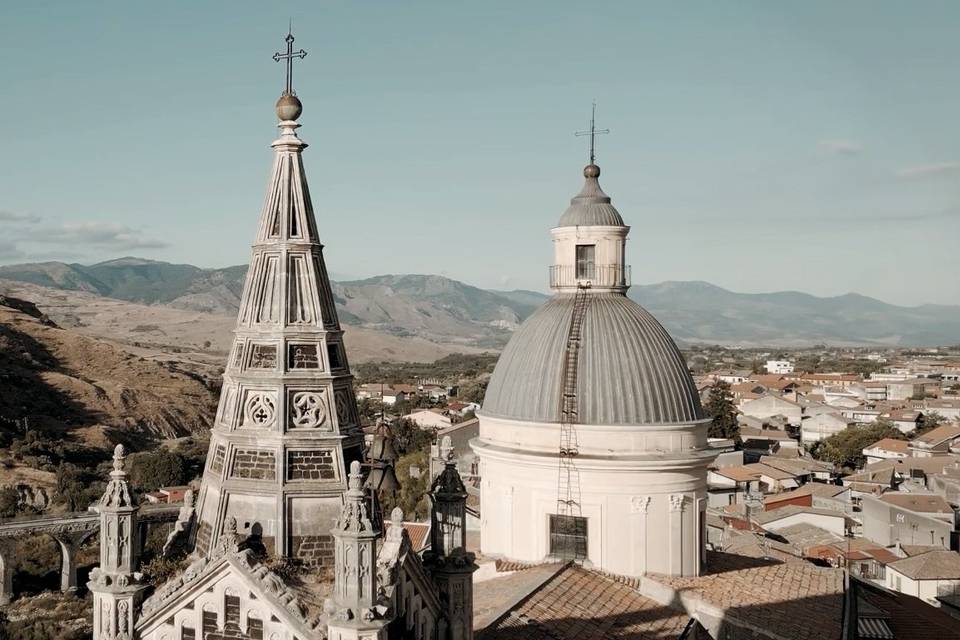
(593,133)
(289,56)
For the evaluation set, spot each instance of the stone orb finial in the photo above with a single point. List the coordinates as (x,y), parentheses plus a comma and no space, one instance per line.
(230,525)
(591,171)
(289,107)
(396,516)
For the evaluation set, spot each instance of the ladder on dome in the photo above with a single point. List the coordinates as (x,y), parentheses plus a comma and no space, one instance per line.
(568,531)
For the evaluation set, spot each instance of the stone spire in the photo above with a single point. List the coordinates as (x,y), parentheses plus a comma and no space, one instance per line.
(115,584)
(356,610)
(287,424)
(449,562)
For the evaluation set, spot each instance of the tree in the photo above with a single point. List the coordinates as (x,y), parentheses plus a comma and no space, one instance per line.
(9,502)
(151,470)
(74,487)
(720,408)
(412,496)
(929,422)
(409,437)
(845,449)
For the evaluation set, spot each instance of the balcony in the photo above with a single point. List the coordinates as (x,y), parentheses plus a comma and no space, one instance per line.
(612,276)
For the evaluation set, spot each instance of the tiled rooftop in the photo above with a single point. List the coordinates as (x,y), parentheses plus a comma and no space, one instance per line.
(796,600)
(580,603)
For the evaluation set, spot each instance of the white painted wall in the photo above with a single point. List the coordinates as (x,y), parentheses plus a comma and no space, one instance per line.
(641,488)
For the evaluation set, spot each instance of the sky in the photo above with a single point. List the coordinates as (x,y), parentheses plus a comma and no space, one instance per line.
(760,146)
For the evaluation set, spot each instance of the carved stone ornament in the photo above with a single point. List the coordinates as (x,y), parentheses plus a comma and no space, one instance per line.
(308,409)
(260,409)
(639,504)
(677,501)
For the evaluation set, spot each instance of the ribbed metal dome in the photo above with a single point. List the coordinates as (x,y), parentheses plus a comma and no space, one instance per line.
(630,371)
(591,207)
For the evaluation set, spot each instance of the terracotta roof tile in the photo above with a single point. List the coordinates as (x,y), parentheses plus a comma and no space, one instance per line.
(797,599)
(419,534)
(579,603)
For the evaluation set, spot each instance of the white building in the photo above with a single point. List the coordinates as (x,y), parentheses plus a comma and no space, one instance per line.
(926,576)
(823,425)
(430,418)
(769,406)
(633,499)
(779,366)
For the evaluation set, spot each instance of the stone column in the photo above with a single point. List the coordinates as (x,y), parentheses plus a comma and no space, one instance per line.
(6,572)
(69,542)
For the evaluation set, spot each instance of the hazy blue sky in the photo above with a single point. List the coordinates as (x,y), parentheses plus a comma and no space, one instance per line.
(757,145)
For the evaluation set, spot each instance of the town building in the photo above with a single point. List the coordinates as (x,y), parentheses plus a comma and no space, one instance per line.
(778,366)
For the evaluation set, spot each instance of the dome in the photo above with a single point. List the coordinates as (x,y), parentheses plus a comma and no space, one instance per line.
(630,372)
(591,207)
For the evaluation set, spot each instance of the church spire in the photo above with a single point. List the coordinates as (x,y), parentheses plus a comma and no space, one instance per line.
(287,423)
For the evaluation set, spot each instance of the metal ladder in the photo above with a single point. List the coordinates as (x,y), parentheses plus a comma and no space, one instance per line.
(568,478)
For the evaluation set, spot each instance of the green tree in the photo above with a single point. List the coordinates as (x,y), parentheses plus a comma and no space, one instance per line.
(151,470)
(722,411)
(9,502)
(412,496)
(409,437)
(845,449)
(929,422)
(74,488)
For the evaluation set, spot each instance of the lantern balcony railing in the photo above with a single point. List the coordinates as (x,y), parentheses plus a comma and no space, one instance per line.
(613,276)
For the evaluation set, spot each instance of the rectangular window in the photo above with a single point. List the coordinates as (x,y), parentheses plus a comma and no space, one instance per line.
(585,261)
(568,537)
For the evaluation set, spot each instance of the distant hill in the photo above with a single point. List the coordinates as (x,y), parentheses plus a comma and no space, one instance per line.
(444,310)
(702,312)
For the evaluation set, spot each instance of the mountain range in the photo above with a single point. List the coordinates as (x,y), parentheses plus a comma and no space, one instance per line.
(451,312)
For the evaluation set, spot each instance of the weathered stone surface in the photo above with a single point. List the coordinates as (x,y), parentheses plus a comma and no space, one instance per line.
(311,465)
(254,464)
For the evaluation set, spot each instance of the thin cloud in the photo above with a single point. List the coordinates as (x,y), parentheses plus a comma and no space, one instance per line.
(95,234)
(13,216)
(928,170)
(9,251)
(840,147)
